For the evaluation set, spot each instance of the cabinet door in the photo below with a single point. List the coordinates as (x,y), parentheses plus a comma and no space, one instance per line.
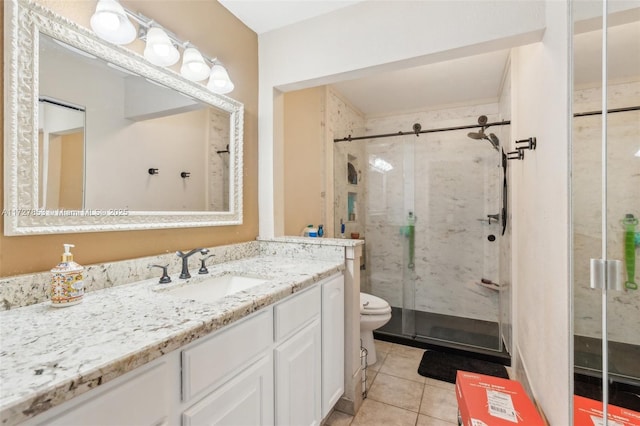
(247,399)
(298,380)
(332,343)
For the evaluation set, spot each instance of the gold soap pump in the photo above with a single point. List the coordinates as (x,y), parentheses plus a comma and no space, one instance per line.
(67,282)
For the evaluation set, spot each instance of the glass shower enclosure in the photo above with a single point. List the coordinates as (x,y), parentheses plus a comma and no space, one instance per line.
(430,209)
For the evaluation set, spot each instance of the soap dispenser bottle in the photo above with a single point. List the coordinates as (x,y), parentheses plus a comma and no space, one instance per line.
(67,284)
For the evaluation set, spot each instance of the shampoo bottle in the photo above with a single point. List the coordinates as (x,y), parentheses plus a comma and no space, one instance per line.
(67,285)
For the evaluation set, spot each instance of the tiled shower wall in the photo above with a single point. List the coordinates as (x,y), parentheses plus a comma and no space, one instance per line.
(451,183)
(622,198)
(345,120)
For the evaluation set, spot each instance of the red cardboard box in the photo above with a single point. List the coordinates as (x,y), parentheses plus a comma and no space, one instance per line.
(588,412)
(492,401)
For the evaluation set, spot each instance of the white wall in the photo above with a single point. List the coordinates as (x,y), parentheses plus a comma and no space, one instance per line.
(542,324)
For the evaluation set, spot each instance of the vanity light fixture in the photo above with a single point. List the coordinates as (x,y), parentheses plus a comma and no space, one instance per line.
(111,23)
(194,67)
(219,81)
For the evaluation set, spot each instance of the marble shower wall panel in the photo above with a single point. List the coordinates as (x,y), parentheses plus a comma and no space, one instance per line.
(457,181)
(218,175)
(455,190)
(344,120)
(385,216)
(622,198)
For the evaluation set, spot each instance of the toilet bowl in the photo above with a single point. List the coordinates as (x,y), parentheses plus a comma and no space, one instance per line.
(374,313)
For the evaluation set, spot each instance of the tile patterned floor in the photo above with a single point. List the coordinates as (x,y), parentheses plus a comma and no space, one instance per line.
(399,396)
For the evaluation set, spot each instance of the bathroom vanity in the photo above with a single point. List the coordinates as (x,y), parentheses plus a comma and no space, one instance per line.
(138,354)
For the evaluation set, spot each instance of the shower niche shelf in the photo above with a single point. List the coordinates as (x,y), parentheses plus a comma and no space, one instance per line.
(352,174)
(352,199)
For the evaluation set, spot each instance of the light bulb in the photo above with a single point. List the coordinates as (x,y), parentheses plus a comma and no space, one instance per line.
(194,67)
(219,81)
(159,49)
(110,22)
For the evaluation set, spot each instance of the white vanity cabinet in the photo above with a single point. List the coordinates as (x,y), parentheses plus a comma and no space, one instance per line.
(332,342)
(282,365)
(298,359)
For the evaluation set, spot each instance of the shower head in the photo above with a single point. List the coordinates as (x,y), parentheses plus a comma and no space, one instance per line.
(494,141)
(492,138)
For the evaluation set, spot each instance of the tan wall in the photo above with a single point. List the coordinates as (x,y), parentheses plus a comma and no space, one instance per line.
(303,158)
(216,32)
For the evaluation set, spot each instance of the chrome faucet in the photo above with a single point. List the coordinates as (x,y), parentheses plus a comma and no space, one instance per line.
(185,260)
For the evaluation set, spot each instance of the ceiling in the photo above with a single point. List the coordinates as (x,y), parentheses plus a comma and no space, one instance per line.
(468,80)
(266,15)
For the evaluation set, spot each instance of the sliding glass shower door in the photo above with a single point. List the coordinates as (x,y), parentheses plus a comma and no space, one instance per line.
(453,281)
(432,225)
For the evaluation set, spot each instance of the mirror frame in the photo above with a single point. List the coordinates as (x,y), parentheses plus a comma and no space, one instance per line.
(24,21)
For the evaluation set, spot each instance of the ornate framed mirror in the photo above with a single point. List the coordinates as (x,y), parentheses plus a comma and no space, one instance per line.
(152,149)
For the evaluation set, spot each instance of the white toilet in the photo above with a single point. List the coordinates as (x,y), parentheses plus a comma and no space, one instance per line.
(374,313)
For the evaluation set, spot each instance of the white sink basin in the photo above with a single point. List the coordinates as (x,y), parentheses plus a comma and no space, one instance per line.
(215,288)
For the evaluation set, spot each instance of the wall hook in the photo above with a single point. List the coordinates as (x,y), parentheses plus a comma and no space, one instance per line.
(531,144)
(185,175)
(518,154)
(153,171)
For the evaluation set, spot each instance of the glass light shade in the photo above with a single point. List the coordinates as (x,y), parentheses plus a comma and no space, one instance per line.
(219,81)
(110,23)
(159,49)
(194,67)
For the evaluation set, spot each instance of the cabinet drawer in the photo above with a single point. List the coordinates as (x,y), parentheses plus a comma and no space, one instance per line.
(296,312)
(139,398)
(211,360)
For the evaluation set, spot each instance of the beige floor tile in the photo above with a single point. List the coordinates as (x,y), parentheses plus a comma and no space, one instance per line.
(399,365)
(338,418)
(408,351)
(441,384)
(374,413)
(432,421)
(439,403)
(383,347)
(395,391)
(381,357)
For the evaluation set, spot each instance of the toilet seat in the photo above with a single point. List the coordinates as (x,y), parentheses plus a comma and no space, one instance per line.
(372,305)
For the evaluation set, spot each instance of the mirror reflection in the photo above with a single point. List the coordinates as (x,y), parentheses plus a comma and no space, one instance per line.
(613,240)
(102,130)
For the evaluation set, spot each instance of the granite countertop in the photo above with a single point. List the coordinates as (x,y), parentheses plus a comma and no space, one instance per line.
(49,355)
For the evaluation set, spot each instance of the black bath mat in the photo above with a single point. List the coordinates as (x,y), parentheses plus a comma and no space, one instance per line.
(444,366)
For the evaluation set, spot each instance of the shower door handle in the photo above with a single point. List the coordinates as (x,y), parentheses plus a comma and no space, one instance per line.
(606,274)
